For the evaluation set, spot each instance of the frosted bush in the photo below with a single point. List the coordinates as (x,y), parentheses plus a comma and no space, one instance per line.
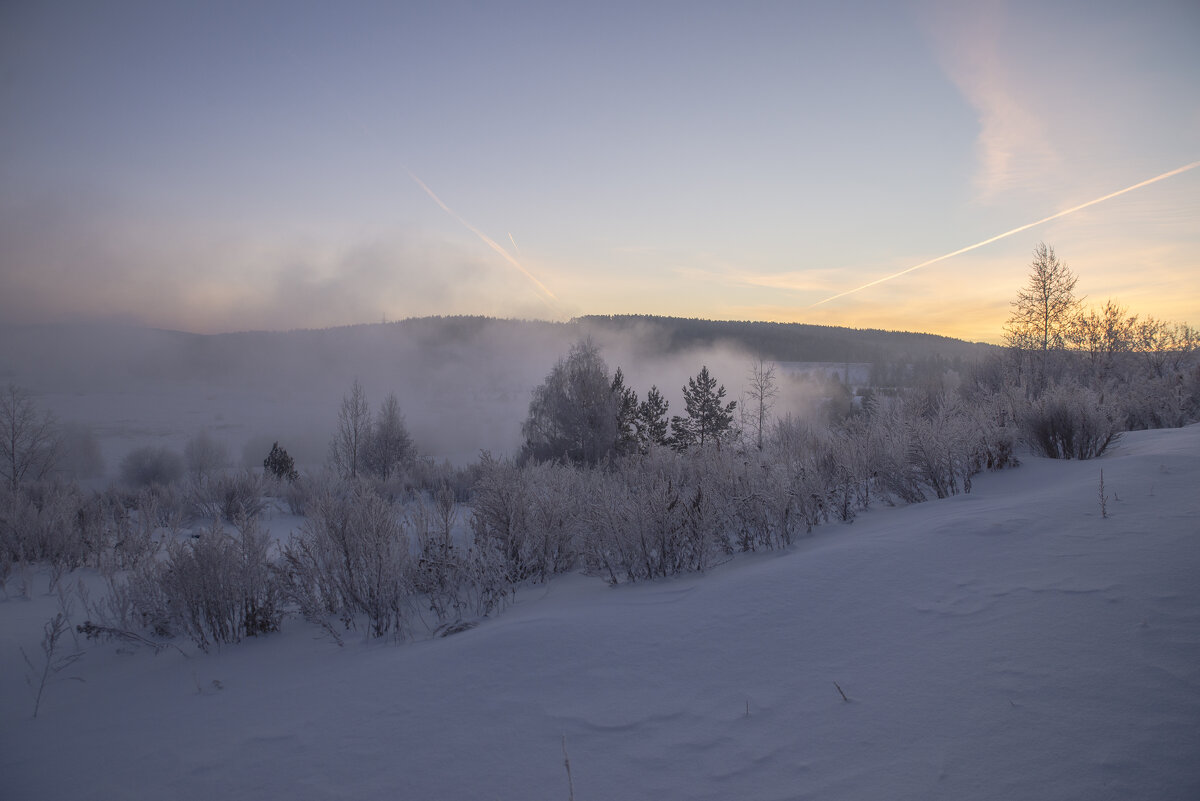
(657,516)
(942,448)
(451,581)
(227,496)
(529,515)
(215,588)
(350,559)
(1070,421)
(40,523)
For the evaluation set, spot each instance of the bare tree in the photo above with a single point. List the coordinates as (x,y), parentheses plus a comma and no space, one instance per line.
(29,440)
(348,450)
(760,398)
(1045,308)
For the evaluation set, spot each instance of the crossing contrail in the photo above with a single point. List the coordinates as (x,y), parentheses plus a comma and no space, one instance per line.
(549,297)
(1018,230)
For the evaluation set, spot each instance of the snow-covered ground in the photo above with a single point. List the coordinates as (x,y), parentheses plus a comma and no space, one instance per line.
(1008,644)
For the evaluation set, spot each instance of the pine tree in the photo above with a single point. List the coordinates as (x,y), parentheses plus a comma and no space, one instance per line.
(708,420)
(280,465)
(652,425)
(627,415)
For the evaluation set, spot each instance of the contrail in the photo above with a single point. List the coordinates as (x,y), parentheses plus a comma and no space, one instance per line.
(487,240)
(517,249)
(1026,227)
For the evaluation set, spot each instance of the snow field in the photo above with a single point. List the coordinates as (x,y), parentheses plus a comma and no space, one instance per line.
(1006,644)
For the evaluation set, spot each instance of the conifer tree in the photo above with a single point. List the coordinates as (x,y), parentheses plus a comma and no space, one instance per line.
(652,425)
(627,415)
(280,465)
(708,419)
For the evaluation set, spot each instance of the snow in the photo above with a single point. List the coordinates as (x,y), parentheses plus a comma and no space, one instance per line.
(1011,643)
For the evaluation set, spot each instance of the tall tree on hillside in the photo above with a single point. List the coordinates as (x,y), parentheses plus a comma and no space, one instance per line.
(708,419)
(348,450)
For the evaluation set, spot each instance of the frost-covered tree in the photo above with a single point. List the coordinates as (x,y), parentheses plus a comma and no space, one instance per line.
(389,447)
(708,419)
(1045,308)
(348,450)
(29,439)
(573,413)
(1103,336)
(760,398)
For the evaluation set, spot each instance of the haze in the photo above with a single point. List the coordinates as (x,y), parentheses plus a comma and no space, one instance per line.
(226,166)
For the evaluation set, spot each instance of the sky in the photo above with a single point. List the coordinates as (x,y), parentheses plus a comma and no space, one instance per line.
(218,166)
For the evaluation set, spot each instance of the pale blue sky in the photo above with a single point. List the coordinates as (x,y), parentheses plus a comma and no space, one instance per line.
(220,166)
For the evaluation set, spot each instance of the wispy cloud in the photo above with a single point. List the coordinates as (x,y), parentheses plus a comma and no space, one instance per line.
(549,297)
(1017,230)
(1014,148)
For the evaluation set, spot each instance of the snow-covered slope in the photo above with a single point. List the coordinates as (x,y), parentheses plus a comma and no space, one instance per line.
(1009,644)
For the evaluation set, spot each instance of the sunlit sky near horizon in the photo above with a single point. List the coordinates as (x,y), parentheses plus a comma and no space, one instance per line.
(274,165)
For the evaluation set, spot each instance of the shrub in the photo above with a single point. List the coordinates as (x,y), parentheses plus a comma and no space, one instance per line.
(658,516)
(205,456)
(150,466)
(453,581)
(37,524)
(227,496)
(299,493)
(351,558)
(1069,421)
(528,514)
(216,588)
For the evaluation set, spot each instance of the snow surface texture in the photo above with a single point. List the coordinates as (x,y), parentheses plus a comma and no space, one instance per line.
(1008,644)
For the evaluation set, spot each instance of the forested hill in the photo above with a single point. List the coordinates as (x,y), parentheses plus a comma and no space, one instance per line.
(38,355)
(790,342)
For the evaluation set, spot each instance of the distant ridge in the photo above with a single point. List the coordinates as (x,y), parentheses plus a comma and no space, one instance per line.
(793,342)
(115,351)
